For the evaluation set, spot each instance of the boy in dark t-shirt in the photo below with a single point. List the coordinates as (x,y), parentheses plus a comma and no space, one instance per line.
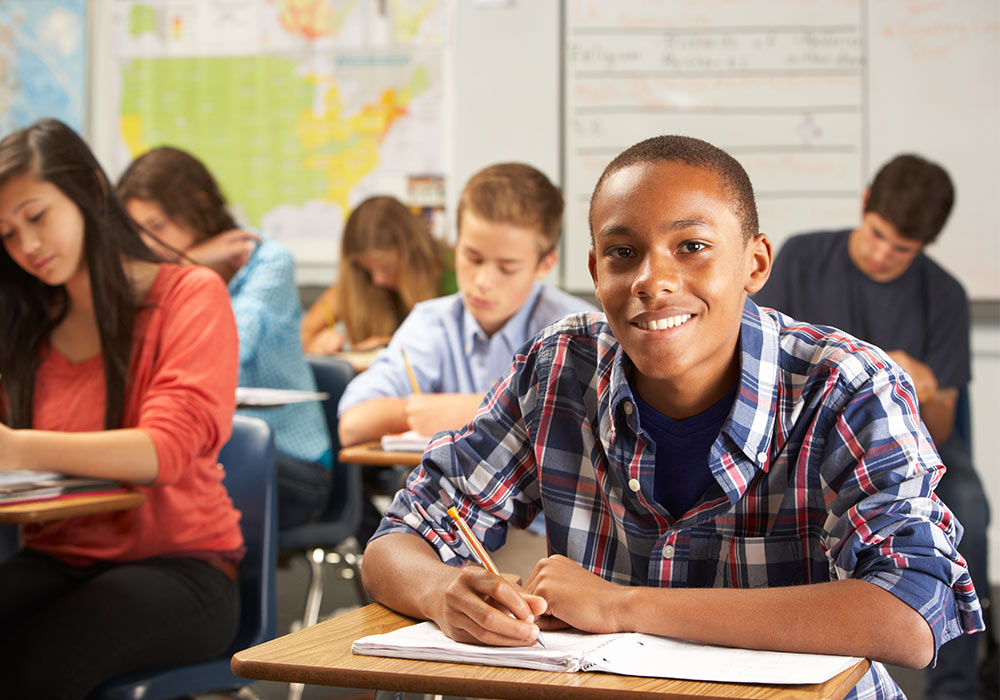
(876,283)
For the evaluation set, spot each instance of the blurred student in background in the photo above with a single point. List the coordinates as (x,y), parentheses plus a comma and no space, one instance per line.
(388,262)
(509,222)
(183,213)
(114,366)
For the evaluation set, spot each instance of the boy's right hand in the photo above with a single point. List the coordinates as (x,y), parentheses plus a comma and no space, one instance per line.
(429,413)
(474,608)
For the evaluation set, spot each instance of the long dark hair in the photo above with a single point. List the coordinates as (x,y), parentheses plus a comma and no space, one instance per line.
(30,309)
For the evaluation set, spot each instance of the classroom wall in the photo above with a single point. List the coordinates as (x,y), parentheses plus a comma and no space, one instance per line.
(505,105)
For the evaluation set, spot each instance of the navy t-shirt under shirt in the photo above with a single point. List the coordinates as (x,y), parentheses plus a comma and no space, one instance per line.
(682,474)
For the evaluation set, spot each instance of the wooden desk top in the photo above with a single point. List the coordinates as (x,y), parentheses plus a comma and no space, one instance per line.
(70,506)
(360,360)
(371,454)
(321,655)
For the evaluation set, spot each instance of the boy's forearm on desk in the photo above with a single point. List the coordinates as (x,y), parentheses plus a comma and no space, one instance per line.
(469,603)
(404,573)
(852,617)
(938,414)
(370,420)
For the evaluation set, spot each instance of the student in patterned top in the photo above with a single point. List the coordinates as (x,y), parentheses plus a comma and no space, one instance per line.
(183,213)
(114,366)
(388,263)
(705,469)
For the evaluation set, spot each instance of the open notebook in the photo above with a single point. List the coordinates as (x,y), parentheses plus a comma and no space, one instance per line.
(627,653)
(410,441)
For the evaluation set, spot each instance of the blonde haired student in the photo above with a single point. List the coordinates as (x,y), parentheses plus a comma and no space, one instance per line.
(706,469)
(389,262)
(183,212)
(509,220)
(113,365)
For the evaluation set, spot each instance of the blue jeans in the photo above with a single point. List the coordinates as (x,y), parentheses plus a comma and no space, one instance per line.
(956,674)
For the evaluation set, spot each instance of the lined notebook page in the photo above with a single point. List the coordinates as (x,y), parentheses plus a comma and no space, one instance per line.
(630,654)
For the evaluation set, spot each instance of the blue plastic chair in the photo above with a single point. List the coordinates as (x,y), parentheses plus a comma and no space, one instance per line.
(248,458)
(342,516)
(339,521)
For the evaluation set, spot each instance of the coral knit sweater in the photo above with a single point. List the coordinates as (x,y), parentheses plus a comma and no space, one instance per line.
(180,392)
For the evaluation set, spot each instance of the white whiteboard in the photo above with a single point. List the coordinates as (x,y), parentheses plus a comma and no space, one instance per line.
(812,96)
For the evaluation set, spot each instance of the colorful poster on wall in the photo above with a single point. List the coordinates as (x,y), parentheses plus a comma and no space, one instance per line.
(301,108)
(43,62)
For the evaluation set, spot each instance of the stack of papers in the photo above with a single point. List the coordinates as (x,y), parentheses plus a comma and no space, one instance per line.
(260,397)
(410,441)
(27,485)
(625,653)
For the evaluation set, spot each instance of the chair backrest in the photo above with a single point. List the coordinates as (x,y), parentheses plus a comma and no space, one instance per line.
(248,459)
(332,376)
(342,515)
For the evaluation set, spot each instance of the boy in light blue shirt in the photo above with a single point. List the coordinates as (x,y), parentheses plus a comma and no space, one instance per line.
(509,219)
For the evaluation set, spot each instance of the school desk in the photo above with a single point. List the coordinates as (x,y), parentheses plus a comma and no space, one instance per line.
(321,655)
(69,506)
(371,454)
(360,360)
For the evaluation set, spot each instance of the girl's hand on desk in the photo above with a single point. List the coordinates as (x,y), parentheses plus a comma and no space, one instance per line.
(326,342)
(576,597)
(429,413)
(372,343)
(11,458)
(474,608)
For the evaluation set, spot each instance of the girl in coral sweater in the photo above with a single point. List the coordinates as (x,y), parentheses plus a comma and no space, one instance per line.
(112,365)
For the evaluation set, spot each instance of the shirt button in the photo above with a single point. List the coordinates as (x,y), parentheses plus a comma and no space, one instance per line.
(668,551)
(628,408)
(634,484)
(762,457)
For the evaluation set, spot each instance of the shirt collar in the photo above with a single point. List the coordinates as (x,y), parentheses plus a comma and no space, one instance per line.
(514,332)
(750,423)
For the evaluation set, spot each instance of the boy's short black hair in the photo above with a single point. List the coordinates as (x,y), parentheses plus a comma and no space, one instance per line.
(699,154)
(914,195)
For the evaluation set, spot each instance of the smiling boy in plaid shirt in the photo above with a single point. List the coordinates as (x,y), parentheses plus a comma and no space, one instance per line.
(706,469)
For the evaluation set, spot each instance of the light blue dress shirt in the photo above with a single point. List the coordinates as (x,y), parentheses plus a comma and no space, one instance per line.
(449,351)
(267,310)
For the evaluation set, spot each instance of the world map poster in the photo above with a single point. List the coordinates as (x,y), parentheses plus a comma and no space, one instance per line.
(43,62)
(300,108)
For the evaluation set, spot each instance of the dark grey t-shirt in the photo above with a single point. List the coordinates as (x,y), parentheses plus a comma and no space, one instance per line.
(923,312)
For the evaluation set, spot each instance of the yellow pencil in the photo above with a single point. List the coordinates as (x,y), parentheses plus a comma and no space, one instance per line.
(409,371)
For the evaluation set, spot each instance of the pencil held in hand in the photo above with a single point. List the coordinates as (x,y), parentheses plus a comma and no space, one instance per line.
(478,550)
(409,371)
(470,541)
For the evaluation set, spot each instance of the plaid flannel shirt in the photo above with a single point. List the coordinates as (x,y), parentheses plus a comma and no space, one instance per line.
(823,471)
